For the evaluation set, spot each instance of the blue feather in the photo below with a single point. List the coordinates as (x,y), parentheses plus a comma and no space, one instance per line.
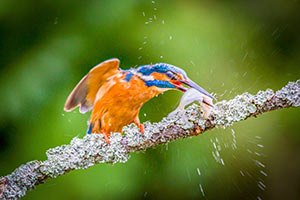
(90,127)
(159,83)
(128,76)
(146,70)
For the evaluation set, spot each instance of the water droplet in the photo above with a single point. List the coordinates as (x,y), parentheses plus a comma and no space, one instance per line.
(259,163)
(260,145)
(201,189)
(242,173)
(56,20)
(261,185)
(245,56)
(170,37)
(264,173)
(198,170)
(161,56)
(233,132)
(163,21)
(222,161)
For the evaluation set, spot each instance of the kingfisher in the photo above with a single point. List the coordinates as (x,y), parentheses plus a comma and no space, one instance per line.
(116,96)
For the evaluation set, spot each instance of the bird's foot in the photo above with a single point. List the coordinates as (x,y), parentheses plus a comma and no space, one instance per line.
(141,127)
(105,136)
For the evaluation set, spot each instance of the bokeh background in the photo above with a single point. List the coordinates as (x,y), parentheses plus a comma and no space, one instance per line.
(228,47)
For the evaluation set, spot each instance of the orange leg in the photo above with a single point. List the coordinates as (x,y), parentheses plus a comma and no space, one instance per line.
(105,136)
(141,126)
(96,129)
(138,123)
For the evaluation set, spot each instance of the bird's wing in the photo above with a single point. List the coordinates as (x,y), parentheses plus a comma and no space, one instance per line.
(84,93)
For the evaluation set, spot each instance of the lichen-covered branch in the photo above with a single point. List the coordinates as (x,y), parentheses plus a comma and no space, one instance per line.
(92,149)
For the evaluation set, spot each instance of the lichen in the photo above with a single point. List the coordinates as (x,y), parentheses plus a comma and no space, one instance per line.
(194,114)
(290,93)
(84,153)
(134,136)
(262,96)
(228,112)
(21,180)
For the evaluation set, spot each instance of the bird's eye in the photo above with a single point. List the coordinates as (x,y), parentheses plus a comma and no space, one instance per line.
(171,75)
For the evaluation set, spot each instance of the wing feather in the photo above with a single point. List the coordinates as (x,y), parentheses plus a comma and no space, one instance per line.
(85,92)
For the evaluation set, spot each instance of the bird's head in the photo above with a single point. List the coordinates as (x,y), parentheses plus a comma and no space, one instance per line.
(165,76)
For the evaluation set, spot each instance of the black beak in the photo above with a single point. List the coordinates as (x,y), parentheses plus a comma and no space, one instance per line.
(192,84)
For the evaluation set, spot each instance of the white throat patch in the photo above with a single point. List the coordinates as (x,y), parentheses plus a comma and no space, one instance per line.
(145,78)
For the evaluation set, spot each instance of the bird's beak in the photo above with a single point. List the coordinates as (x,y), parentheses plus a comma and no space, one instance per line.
(192,84)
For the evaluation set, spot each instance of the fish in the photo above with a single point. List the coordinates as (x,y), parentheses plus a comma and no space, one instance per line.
(190,96)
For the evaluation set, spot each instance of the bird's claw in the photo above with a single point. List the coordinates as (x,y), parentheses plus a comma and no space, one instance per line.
(142,129)
(106,138)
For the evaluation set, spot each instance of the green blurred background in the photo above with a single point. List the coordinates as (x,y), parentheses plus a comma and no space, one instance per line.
(228,47)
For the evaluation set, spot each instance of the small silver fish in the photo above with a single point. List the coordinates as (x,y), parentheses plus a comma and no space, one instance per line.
(191,95)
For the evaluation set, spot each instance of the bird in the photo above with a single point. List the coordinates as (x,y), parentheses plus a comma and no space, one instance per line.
(116,96)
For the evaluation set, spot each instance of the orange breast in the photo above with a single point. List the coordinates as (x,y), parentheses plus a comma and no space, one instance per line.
(118,103)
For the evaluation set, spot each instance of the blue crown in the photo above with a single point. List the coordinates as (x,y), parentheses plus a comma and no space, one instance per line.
(146,70)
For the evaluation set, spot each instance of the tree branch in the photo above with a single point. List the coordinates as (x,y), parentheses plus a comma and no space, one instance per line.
(92,149)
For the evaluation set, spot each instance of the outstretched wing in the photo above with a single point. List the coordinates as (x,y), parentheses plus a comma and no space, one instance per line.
(85,92)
